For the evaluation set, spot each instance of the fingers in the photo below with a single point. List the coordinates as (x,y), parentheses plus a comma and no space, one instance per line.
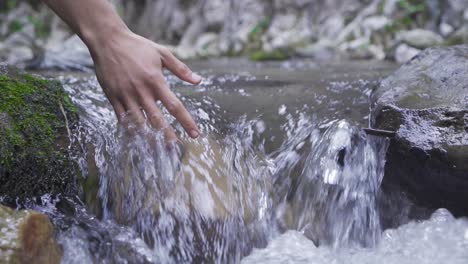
(176,108)
(157,120)
(133,117)
(119,110)
(179,68)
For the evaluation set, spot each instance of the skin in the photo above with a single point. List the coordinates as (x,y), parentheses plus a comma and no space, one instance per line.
(128,66)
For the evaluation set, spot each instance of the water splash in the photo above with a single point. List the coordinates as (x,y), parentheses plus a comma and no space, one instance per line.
(441,239)
(201,200)
(334,200)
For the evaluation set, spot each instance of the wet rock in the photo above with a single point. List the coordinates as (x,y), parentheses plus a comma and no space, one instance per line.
(200,186)
(420,38)
(37,117)
(426,103)
(404,53)
(27,237)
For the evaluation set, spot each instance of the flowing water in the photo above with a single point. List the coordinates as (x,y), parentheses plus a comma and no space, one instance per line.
(282,173)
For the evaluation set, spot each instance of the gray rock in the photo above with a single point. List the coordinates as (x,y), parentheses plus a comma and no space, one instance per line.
(72,54)
(322,50)
(375,23)
(426,103)
(404,53)
(420,38)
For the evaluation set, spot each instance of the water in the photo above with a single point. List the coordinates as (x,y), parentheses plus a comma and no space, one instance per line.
(281,174)
(441,239)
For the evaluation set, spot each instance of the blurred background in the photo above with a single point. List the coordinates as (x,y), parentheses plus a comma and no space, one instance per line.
(32,36)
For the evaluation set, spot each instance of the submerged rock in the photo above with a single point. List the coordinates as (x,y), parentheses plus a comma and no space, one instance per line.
(36,116)
(27,237)
(426,103)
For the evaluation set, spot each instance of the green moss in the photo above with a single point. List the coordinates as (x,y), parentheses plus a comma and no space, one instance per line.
(257,31)
(34,157)
(455,40)
(265,56)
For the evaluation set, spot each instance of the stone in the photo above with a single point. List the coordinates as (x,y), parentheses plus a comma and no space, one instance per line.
(362,49)
(200,185)
(404,53)
(207,45)
(420,38)
(35,139)
(458,37)
(27,237)
(323,50)
(426,103)
(375,23)
(71,54)
(445,29)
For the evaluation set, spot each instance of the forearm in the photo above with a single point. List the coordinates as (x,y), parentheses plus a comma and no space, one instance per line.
(95,21)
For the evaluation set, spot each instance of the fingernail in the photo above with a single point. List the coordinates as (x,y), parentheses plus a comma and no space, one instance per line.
(196,78)
(194,133)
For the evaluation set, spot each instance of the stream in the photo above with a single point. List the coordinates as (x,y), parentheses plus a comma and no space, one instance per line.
(282,173)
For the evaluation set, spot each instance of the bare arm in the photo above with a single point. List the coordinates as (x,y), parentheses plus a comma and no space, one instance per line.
(128,67)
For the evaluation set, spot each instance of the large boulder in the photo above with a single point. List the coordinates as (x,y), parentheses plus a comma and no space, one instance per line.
(426,103)
(27,237)
(36,117)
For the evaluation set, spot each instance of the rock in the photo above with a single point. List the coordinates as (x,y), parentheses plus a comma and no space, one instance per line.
(375,23)
(207,45)
(72,54)
(27,237)
(445,29)
(323,50)
(287,30)
(362,49)
(420,38)
(200,178)
(404,53)
(35,140)
(459,37)
(426,103)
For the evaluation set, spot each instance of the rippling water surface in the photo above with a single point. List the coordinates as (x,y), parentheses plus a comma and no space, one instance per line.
(281,174)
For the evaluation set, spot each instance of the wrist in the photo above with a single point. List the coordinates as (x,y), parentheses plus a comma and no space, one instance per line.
(103,36)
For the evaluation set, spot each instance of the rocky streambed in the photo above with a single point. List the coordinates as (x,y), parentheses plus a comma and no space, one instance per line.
(282,149)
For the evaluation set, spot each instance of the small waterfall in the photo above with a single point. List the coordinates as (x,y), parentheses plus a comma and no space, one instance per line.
(333,201)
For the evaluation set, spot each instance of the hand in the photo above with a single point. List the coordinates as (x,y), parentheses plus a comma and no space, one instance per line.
(130,70)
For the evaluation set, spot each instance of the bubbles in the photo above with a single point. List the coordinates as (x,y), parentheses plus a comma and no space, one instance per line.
(282,110)
(438,240)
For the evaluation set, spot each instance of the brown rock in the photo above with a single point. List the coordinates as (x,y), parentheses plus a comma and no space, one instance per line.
(27,237)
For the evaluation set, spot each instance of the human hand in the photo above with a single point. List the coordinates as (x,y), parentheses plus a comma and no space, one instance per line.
(130,71)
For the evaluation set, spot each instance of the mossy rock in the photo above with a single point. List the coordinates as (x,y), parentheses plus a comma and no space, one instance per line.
(36,120)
